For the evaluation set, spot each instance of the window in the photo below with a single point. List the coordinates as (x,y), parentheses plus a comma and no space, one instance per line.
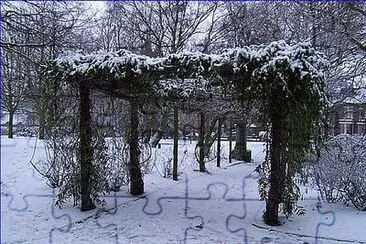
(349,129)
(361,128)
(361,114)
(348,112)
(343,128)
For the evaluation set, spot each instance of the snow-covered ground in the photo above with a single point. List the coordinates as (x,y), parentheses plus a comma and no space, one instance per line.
(220,207)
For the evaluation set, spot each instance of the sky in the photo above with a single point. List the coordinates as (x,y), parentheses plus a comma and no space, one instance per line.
(98,6)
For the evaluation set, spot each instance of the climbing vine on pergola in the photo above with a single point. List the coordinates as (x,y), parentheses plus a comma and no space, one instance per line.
(287,80)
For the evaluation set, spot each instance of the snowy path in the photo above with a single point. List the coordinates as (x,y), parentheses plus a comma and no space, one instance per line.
(199,208)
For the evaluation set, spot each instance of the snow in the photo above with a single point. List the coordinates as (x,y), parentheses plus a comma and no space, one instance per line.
(184,88)
(138,220)
(164,74)
(117,63)
(358,98)
(299,57)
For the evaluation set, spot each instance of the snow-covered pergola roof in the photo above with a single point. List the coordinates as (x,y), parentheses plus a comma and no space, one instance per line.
(126,75)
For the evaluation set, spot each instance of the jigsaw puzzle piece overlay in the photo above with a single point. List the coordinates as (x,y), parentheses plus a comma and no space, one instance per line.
(240,222)
(174,211)
(228,205)
(330,218)
(22,211)
(99,225)
(50,223)
(214,209)
(105,217)
(209,208)
(86,231)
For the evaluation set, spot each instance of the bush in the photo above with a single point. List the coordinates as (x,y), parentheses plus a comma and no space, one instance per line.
(62,165)
(339,170)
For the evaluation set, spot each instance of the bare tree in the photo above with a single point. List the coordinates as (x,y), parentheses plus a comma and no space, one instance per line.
(37,32)
(13,86)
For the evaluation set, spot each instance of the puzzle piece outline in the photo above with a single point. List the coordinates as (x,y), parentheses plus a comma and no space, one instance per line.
(69,225)
(112,211)
(318,206)
(53,196)
(245,240)
(187,198)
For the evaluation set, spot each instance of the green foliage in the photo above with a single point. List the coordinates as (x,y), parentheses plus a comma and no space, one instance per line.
(296,97)
(62,169)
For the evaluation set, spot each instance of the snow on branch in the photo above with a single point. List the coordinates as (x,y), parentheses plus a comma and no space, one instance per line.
(158,73)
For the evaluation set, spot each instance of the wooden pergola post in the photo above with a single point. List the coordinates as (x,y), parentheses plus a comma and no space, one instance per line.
(277,152)
(136,181)
(86,150)
(201,143)
(230,141)
(175,146)
(218,162)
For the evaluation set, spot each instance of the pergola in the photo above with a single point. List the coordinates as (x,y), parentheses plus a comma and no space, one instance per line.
(286,79)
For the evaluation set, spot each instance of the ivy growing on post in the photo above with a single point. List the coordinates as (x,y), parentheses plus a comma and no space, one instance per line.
(86,150)
(290,85)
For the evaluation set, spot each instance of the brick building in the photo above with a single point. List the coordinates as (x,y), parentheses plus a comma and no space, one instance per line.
(350,115)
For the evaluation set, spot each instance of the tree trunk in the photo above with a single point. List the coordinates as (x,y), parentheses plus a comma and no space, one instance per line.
(41,134)
(42,125)
(154,141)
(240,151)
(159,130)
(210,136)
(230,142)
(313,25)
(147,136)
(10,126)
(201,143)
(86,150)
(241,135)
(218,163)
(137,183)
(276,171)
(175,149)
